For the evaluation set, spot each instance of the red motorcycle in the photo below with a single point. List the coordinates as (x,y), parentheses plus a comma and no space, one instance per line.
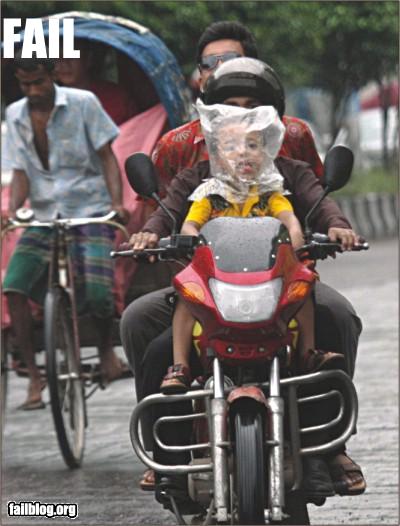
(244,285)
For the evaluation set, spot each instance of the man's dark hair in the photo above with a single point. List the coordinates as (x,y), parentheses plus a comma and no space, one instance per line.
(32,64)
(228,31)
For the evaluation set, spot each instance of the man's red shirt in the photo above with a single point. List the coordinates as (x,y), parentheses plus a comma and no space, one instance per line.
(185,146)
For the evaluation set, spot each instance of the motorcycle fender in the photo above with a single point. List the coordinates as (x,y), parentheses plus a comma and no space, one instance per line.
(250,391)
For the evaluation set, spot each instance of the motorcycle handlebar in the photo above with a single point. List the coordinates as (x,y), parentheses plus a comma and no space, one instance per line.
(168,248)
(177,246)
(320,247)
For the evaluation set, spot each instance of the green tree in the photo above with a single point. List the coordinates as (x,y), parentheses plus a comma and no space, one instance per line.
(359,44)
(336,45)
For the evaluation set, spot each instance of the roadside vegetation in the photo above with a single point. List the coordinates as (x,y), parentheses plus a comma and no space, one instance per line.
(372,180)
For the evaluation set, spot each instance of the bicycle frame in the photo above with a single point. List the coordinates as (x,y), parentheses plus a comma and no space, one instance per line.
(65,379)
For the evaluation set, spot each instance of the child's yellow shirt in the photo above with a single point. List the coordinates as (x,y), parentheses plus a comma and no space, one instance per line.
(202,211)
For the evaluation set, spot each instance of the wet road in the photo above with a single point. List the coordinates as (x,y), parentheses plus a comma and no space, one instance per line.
(105,488)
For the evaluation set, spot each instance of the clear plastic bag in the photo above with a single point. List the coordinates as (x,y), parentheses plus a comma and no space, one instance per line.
(242,145)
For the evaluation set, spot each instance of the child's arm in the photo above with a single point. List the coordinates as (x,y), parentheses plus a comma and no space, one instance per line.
(199,213)
(281,209)
(190,228)
(292,224)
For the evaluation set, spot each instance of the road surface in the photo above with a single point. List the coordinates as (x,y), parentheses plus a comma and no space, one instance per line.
(106,487)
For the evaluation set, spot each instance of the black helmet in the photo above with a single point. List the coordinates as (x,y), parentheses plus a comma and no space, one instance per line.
(245,77)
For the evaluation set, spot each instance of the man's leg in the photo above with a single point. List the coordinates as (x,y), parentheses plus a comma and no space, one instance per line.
(142,321)
(90,248)
(111,365)
(26,277)
(338,327)
(22,324)
(157,359)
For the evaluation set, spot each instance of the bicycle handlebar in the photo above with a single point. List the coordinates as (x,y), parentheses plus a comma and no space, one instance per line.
(107,219)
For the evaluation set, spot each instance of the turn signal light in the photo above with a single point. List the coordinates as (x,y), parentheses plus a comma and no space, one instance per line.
(192,292)
(298,290)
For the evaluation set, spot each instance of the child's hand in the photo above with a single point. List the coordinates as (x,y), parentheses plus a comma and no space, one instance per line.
(297,238)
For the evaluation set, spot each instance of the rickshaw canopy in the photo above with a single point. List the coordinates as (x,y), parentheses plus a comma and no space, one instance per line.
(144,48)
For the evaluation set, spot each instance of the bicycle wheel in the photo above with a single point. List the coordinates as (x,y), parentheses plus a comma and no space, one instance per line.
(250,463)
(5,353)
(63,375)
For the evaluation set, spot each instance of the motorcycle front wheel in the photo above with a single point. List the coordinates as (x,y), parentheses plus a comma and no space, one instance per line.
(249,463)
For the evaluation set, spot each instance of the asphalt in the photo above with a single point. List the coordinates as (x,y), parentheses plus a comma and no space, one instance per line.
(106,487)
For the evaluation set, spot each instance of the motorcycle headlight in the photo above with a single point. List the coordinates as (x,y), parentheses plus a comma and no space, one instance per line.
(246,303)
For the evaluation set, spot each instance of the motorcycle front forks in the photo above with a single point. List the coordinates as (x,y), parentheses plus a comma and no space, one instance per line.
(275,442)
(219,443)
(275,404)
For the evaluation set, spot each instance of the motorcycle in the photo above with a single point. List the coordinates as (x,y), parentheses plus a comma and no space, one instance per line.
(244,285)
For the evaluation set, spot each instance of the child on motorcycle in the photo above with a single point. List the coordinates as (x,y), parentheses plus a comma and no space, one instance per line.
(243,145)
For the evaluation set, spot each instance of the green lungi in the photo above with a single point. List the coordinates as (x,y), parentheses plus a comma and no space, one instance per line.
(89,248)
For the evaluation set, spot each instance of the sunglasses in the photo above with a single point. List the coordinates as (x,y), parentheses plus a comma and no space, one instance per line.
(211,61)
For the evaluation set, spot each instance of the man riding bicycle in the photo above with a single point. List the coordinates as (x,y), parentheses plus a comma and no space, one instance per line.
(59,140)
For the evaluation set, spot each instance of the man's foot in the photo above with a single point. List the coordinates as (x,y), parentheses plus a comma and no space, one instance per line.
(347,476)
(34,399)
(317,482)
(148,482)
(314,360)
(112,368)
(177,380)
(176,486)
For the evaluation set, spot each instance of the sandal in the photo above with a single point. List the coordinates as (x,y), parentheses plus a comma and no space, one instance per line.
(31,405)
(148,482)
(340,468)
(177,380)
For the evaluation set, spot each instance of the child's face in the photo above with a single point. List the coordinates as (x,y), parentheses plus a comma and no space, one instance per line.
(241,153)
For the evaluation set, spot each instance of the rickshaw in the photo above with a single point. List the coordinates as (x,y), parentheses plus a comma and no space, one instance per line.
(135,59)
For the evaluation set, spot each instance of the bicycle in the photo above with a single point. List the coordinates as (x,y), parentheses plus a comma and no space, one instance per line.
(65,374)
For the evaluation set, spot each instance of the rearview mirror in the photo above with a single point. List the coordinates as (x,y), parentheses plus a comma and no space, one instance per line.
(142,174)
(338,165)
(142,177)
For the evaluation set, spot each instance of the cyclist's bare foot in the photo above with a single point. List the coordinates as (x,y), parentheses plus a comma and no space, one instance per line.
(112,367)
(34,398)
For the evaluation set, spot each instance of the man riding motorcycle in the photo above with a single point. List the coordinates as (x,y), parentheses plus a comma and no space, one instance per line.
(234,81)
(236,78)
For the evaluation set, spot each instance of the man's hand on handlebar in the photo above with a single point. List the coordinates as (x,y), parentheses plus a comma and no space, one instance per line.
(347,237)
(142,240)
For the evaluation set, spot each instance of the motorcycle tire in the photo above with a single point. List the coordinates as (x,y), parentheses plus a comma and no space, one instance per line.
(66,387)
(250,476)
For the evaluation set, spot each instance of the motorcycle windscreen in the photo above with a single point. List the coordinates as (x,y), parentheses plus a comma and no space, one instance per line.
(243,244)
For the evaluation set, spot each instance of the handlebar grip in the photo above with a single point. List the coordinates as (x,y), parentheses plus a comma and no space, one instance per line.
(362,245)
(129,254)
(320,238)
(135,254)
(122,253)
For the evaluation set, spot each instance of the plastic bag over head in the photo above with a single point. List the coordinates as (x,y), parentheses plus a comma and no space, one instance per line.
(242,145)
